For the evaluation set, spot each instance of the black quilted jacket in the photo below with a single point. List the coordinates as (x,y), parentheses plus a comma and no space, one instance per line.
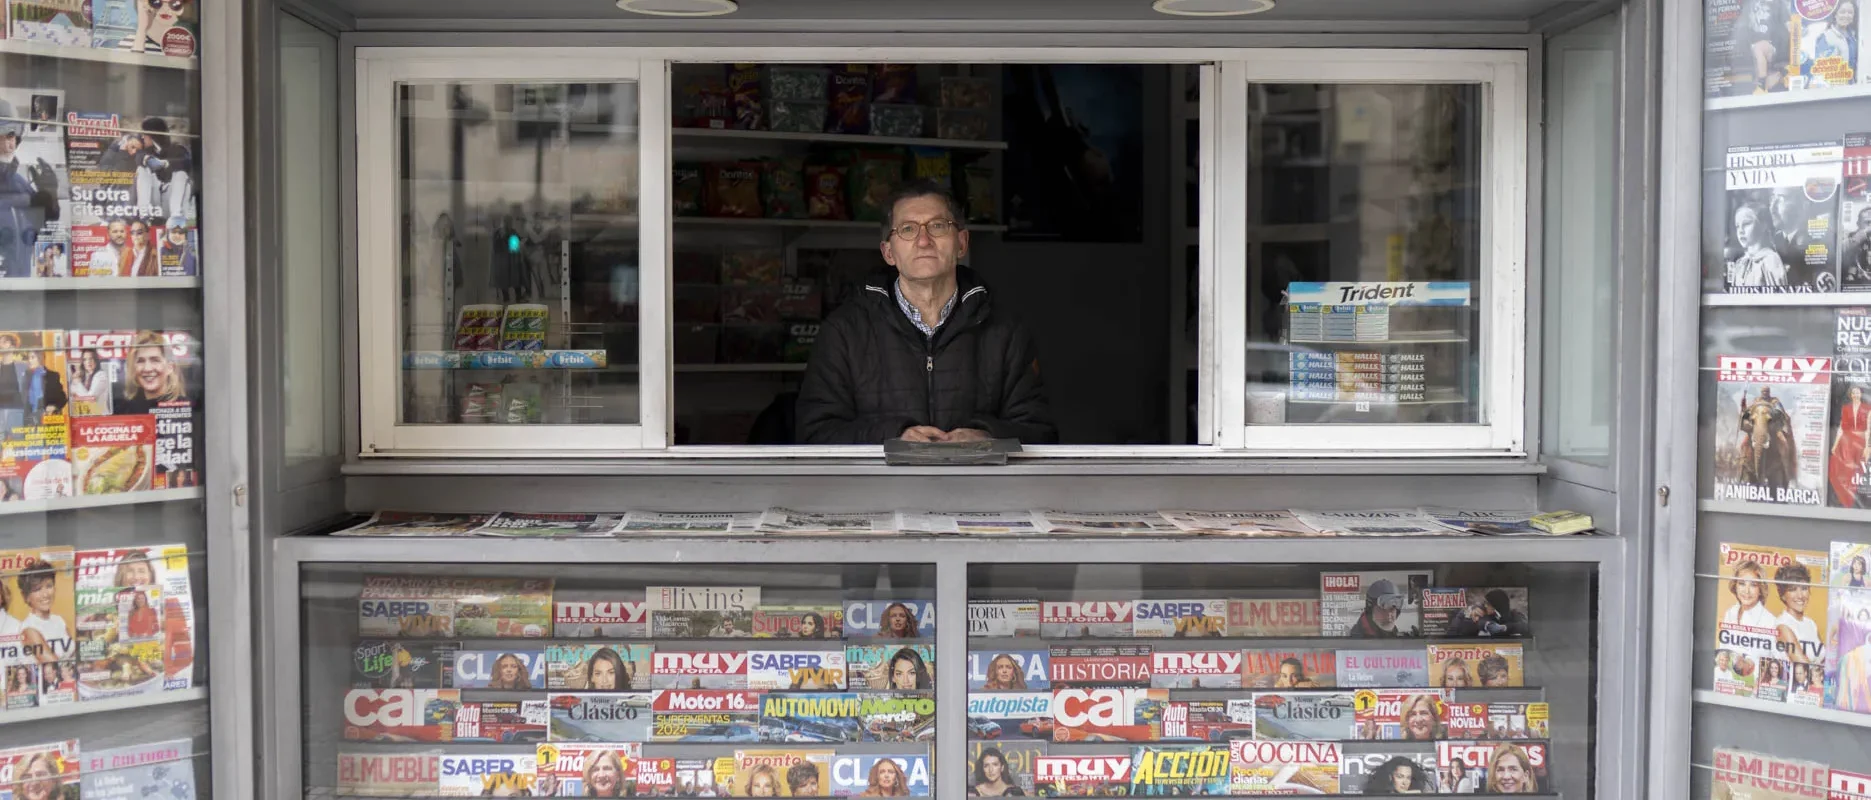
(873,374)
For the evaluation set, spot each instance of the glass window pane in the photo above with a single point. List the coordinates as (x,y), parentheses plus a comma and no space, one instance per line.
(519,253)
(309,246)
(1364,254)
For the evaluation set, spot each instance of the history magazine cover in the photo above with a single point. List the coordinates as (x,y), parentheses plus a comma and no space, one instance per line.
(831,717)
(702,612)
(1326,716)
(1768,609)
(1179,618)
(400,715)
(782,773)
(1009,670)
(606,717)
(1778,231)
(402,665)
(518,670)
(1408,714)
(1081,776)
(1264,767)
(1383,668)
(890,619)
(1372,605)
(1208,720)
(996,767)
(34,435)
(135,772)
(509,775)
(1381,772)
(607,615)
(1179,770)
(1770,428)
(904,667)
(799,622)
(1855,214)
(1848,658)
(1848,459)
(799,670)
(45,622)
(438,606)
(501,721)
(1087,619)
(1108,715)
(1102,665)
(1498,720)
(897,716)
(1003,618)
(586,769)
(1737,33)
(605,667)
(1493,767)
(509,523)
(1289,669)
(40,247)
(706,715)
(697,669)
(1195,669)
(880,775)
(1744,775)
(1010,715)
(1486,612)
(387,774)
(1462,666)
(1273,617)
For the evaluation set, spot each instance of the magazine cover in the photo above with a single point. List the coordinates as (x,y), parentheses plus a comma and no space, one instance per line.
(1208,720)
(1770,436)
(1240,523)
(58,683)
(585,769)
(1409,714)
(112,234)
(1743,775)
(1750,46)
(1848,460)
(1848,565)
(1486,523)
(1108,715)
(168,29)
(1104,522)
(113,455)
(1179,618)
(1263,767)
(604,667)
(897,716)
(1828,44)
(702,612)
(510,775)
(508,523)
(782,773)
(1855,214)
(1382,522)
(603,616)
(1500,720)
(1379,669)
(34,239)
(1195,669)
(41,606)
(799,622)
(1380,772)
(712,669)
(826,718)
(1462,666)
(435,606)
(49,770)
(1274,617)
(996,767)
(1326,716)
(1847,680)
(385,774)
(1081,776)
(1101,665)
(1009,618)
(883,666)
(402,665)
(711,715)
(1009,671)
(1778,233)
(22,686)
(1179,770)
(400,715)
(519,670)
(1372,605)
(880,776)
(890,619)
(169,615)
(799,670)
(1016,715)
(638,523)
(416,523)
(1848,785)
(1453,612)
(1758,623)
(1289,669)
(157,769)
(502,722)
(1087,619)
(609,717)
(34,461)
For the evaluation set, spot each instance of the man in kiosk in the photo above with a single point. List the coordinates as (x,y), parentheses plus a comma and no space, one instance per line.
(920,353)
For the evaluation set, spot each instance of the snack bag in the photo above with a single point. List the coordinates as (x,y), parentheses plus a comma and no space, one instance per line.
(744,87)
(982,205)
(893,83)
(874,178)
(796,84)
(752,267)
(782,188)
(825,192)
(955,123)
(685,188)
(850,101)
(705,101)
(733,189)
(931,164)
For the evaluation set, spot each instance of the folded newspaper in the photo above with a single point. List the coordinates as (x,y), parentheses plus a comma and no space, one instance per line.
(1000,523)
(690,523)
(1241,523)
(1117,523)
(786,520)
(1381,522)
(1487,523)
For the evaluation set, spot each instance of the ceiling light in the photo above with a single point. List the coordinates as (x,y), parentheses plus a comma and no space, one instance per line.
(680,8)
(1212,8)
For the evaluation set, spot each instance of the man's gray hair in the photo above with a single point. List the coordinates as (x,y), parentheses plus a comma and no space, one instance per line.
(917,189)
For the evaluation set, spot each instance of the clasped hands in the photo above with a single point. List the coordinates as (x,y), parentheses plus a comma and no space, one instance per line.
(926,433)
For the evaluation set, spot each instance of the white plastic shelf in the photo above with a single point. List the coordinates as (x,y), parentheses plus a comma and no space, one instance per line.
(104,54)
(95,284)
(100,500)
(63,710)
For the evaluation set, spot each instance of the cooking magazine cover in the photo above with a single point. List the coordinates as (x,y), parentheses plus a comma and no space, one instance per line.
(1288,669)
(487,775)
(799,622)
(158,769)
(1195,669)
(1380,772)
(1770,428)
(1179,770)
(1179,618)
(1778,231)
(1263,767)
(1768,630)
(782,773)
(890,619)
(710,715)
(1087,619)
(37,242)
(1319,716)
(599,616)
(1744,775)
(607,717)
(388,774)
(996,767)
(897,716)
(908,667)
(585,769)
(1274,617)
(827,718)
(1383,668)
(513,670)
(1081,776)
(880,776)
(801,670)
(1372,605)
(1009,670)
(1462,666)
(601,667)
(1855,214)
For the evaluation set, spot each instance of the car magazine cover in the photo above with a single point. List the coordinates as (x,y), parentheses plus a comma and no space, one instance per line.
(1380,772)
(41,606)
(806,670)
(995,768)
(897,716)
(1009,670)
(907,667)
(890,619)
(435,606)
(1492,767)
(157,769)
(605,667)
(1179,618)
(402,665)
(502,721)
(799,622)
(1463,666)
(1081,776)
(600,616)
(1325,716)
(707,715)
(1848,459)
(711,669)
(1101,665)
(880,776)
(1847,681)
(1288,669)
(1382,522)
(1769,630)
(400,715)
(1264,767)
(1273,617)
(1104,522)
(1485,522)
(1744,775)
(1380,669)
(1208,720)
(34,431)
(702,612)
(585,769)
(416,523)
(1498,720)
(1088,619)
(1778,227)
(1855,214)
(508,523)
(35,241)
(1003,618)
(1195,669)
(1409,714)
(387,774)
(1372,605)
(608,717)
(1770,428)
(1179,770)
(1240,523)
(511,775)
(823,718)
(782,773)
(1454,613)
(1108,715)
(522,670)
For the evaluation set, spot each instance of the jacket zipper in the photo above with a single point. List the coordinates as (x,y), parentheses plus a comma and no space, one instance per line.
(929,373)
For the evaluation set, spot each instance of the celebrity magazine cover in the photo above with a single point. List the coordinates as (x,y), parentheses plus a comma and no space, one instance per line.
(39,623)
(1408,714)
(1487,612)
(811,717)
(880,776)
(1195,669)
(996,767)
(797,670)
(604,717)
(136,772)
(1744,775)
(1288,669)
(1180,770)
(1381,772)
(1009,670)
(1271,767)
(890,619)
(1372,605)
(129,180)
(388,774)
(1770,428)
(1327,716)
(887,666)
(799,622)
(586,769)
(603,666)
(1467,665)
(508,775)
(782,773)
(1827,32)
(1492,767)
(1769,608)
(511,670)
(1847,681)
(1778,232)
(1499,720)
(34,426)
(1283,617)
(49,770)
(1855,215)
(1848,459)
(1188,618)
(35,241)
(1003,618)
(1081,775)
(1848,565)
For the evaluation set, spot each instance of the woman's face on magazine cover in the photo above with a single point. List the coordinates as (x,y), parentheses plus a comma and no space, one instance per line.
(39,781)
(902,674)
(1456,677)
(1846,15)
(761,786)
(897,620)
(606,777)
(1748,588)
(889,777)
(603,675)
(992,769)
(135,573)
(509,670)
(1005,672)
(809,628)
(40,601)
(1401,779)
(1422,721)
(1510,775)
(1795,597)
(167,12)
(152,368)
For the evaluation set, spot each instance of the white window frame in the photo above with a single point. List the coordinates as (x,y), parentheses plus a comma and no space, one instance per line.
(1221,350)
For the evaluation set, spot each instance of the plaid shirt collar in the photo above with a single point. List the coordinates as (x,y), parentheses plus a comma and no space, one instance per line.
(916,317)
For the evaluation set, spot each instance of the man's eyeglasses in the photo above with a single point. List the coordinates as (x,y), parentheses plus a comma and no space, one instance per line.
(937,228)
